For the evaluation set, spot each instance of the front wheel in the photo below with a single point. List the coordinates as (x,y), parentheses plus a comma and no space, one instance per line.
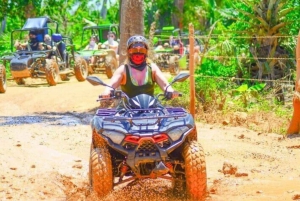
(173,65)
(2,79)
(52,72)
(20,81)
(81,69)
(111,65)
(100,171)
(195,170)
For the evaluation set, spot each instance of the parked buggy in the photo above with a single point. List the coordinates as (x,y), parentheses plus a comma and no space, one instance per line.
(105,59)
(35,59)
(167,57)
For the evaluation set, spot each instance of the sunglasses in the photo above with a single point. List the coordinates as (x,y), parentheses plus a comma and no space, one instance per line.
(135,50)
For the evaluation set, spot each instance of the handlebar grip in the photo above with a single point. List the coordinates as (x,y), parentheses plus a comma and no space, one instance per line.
(112,94)
(169,95)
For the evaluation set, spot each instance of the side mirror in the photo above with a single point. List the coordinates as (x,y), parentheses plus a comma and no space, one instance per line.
(180,77)
(95,81)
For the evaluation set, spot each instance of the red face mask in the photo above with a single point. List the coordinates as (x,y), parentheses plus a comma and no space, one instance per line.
(137,58)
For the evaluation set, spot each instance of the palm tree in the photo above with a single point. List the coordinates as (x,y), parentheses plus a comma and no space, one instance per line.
(265,19)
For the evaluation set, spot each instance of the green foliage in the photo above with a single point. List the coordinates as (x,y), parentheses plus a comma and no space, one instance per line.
(211,67)
(5,50)
(113,14)
(4,44)
(247,95)
(20,9)
(165,8)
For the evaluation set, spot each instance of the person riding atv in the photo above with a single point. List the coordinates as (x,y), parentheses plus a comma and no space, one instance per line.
(32,44)
(142,138)
(138,75)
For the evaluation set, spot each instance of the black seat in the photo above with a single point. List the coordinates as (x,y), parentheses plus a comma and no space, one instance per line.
(60,45)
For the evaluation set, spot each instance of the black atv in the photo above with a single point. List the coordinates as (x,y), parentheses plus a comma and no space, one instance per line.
(142,139)
(42,62)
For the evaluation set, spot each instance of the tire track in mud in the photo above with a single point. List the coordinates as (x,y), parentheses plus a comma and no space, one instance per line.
(69,179)
(148,190)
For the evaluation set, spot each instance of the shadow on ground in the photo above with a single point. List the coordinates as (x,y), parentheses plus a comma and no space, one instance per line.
(50,118)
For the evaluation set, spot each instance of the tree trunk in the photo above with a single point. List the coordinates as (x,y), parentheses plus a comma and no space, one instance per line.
(3,25)
(294,127)
(29,10)
(132,23)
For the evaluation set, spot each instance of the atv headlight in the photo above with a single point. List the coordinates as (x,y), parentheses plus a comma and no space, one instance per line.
(176,133)
(115,136)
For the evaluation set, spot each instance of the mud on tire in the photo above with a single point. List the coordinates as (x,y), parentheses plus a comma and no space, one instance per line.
(81,69)
(64,77)
(52,72)
(2,79)
(100,171)
(19,81)
(195,170)
(111,65)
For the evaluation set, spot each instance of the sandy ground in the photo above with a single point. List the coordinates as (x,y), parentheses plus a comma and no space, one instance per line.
(45,138)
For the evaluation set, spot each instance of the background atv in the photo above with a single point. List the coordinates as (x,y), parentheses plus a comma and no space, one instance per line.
(67,61)
(165,56)
(2,79)
(143,139)
(38,64)
(106,59)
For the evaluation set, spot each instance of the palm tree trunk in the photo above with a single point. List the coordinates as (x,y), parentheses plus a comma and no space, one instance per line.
(294,127)
(29,10)
(132,23)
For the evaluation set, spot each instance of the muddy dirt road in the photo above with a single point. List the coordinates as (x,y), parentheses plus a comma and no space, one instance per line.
(44,152)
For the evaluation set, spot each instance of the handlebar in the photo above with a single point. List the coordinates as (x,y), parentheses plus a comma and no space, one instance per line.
(115,94)
(168,95)
(118,94)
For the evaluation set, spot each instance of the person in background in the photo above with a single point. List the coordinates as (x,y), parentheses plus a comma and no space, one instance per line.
(32,44)
(48,42)
(111,42)
(138,75)
(177,45)
(49,45)
(92,44)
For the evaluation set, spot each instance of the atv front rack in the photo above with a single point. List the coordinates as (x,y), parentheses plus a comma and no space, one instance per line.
(164,113)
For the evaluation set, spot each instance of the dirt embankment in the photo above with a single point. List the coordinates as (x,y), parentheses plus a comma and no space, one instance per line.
(45,139)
